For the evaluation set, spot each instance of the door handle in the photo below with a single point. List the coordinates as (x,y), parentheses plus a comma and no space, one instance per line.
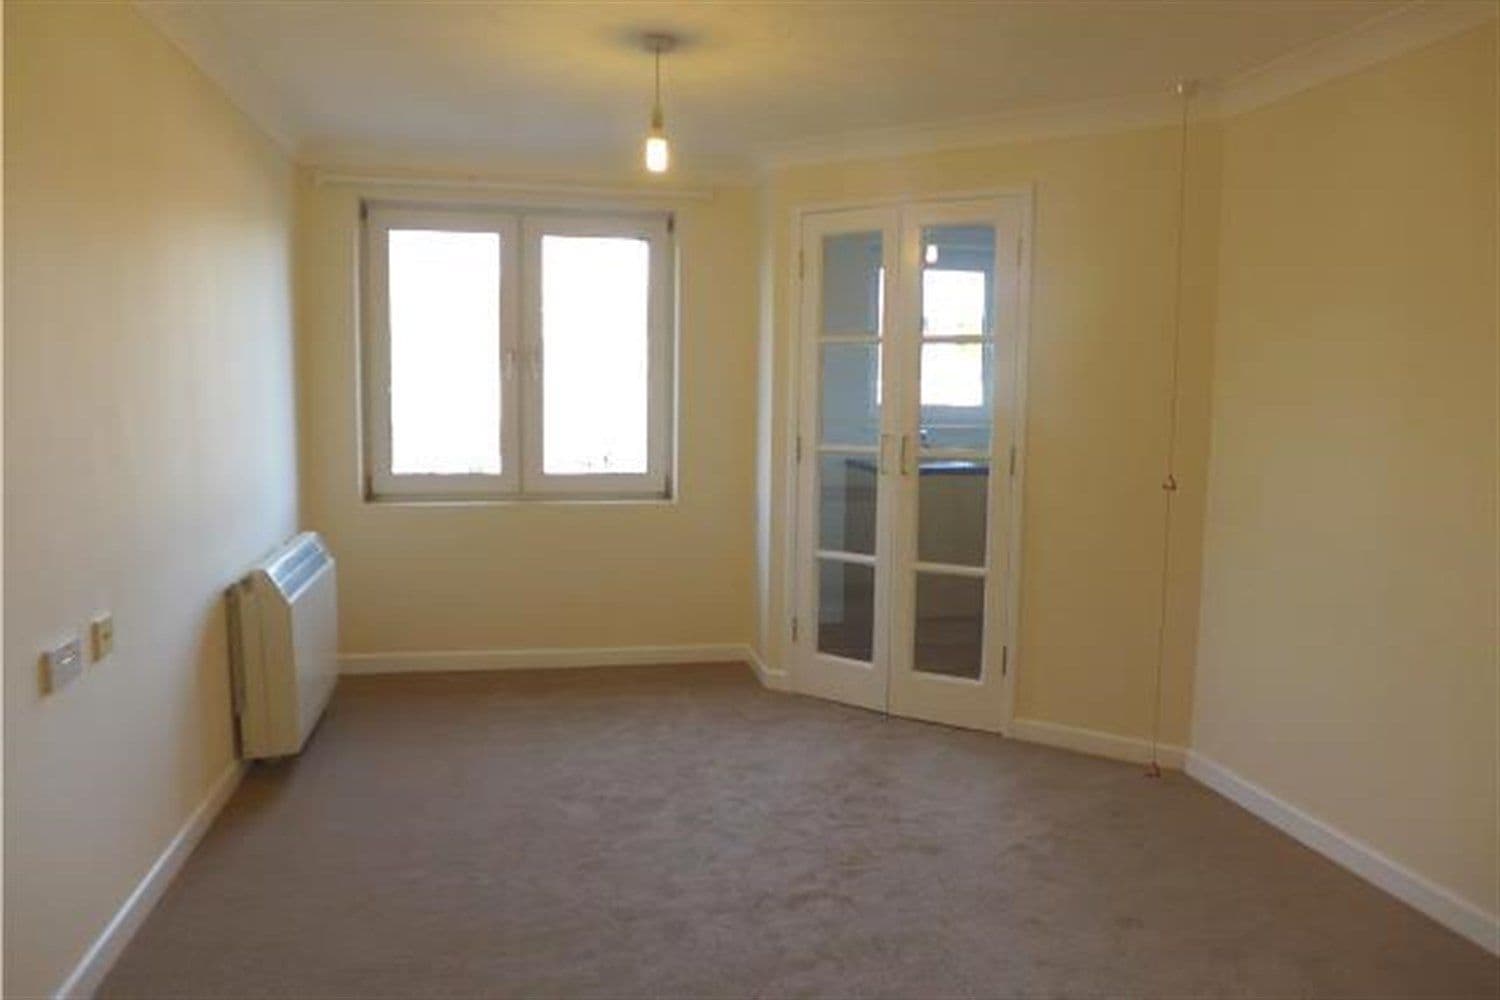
(885,440)
(906,454)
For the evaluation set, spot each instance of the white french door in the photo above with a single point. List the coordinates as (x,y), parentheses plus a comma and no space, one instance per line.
(910,321)
(848,424)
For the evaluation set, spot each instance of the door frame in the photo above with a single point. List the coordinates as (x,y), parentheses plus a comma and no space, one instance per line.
(1024,198)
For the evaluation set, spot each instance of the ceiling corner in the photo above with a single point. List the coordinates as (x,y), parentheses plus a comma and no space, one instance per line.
(245,87)
(1382,37)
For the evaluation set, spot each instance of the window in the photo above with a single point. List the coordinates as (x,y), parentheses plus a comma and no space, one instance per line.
(954,305)
(953,375)
(517,354)
(955,319)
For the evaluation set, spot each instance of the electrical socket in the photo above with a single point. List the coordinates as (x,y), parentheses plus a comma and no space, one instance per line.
(102,636)
(61,665)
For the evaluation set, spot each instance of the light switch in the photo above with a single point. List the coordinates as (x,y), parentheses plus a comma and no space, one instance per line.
(62,664)
(102,636)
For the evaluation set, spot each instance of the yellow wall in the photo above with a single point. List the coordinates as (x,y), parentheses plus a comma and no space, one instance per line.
(149,449)
(1097,420)
(531,575)
(1348,658)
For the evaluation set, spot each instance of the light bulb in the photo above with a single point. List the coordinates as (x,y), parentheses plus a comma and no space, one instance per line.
(658,153)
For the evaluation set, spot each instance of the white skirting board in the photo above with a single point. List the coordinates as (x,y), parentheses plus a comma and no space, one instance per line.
(107,947)
(1440,904)
(1401,882)
(776,680)
(1095,742)
(441,661)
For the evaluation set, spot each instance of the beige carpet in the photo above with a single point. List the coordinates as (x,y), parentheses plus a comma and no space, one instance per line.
(677,831)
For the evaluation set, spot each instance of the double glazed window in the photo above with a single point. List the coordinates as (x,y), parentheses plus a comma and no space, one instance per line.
(517,354)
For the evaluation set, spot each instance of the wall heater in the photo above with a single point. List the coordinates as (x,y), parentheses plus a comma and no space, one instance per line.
(283,640)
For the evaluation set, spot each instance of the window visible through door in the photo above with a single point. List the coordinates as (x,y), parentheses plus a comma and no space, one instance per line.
(517,354)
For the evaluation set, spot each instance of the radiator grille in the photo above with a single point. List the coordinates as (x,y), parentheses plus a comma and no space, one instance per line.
(292,569)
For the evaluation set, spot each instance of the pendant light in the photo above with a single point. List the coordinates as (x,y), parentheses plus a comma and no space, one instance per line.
(658,152)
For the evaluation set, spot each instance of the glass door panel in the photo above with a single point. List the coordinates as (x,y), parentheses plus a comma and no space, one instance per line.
(952,515)
(842,634)
(958,280)
(943,667)
(956,393)
(848,500)
(952,496)
(851,323)
(846,609)
(848,383)
(853,284)
(949,634)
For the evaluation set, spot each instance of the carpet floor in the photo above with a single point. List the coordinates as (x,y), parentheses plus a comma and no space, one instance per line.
(680,832)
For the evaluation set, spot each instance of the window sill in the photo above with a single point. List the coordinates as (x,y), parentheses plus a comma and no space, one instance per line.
(594,500)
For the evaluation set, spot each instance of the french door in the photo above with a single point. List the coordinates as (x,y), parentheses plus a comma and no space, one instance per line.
(909,379)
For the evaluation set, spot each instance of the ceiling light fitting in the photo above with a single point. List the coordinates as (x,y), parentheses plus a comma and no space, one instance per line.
(658,152)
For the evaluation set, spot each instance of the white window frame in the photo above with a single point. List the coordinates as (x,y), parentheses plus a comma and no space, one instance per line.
(654,230)
(521,476)
(381,482)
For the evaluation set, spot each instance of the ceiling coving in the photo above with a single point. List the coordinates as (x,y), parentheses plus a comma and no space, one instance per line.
(478,86)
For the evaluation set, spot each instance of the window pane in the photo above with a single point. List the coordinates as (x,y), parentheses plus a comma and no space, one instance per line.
(956,404)
(958,265)
(953,374)
(949,635)
(595,355)
(850,378)
(847,493)
(853,284)
(953,517)
(445,352)
(953,303)
(846,609)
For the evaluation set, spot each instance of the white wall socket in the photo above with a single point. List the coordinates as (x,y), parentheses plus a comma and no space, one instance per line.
(102,636)
(62,664)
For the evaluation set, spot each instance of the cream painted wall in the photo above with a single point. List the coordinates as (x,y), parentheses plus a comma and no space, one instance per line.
(1097,416)
(530,575)
(1348,657)
(149,449)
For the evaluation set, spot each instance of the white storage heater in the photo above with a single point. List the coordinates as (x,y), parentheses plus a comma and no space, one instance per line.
(283,638)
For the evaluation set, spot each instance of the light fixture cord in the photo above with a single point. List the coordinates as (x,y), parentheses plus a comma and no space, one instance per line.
(656,117)
(1169,484)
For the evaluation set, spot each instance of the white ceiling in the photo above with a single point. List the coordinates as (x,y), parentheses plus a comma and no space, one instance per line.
(562,82)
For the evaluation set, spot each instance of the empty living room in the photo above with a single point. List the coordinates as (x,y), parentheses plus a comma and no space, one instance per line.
(845,499)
